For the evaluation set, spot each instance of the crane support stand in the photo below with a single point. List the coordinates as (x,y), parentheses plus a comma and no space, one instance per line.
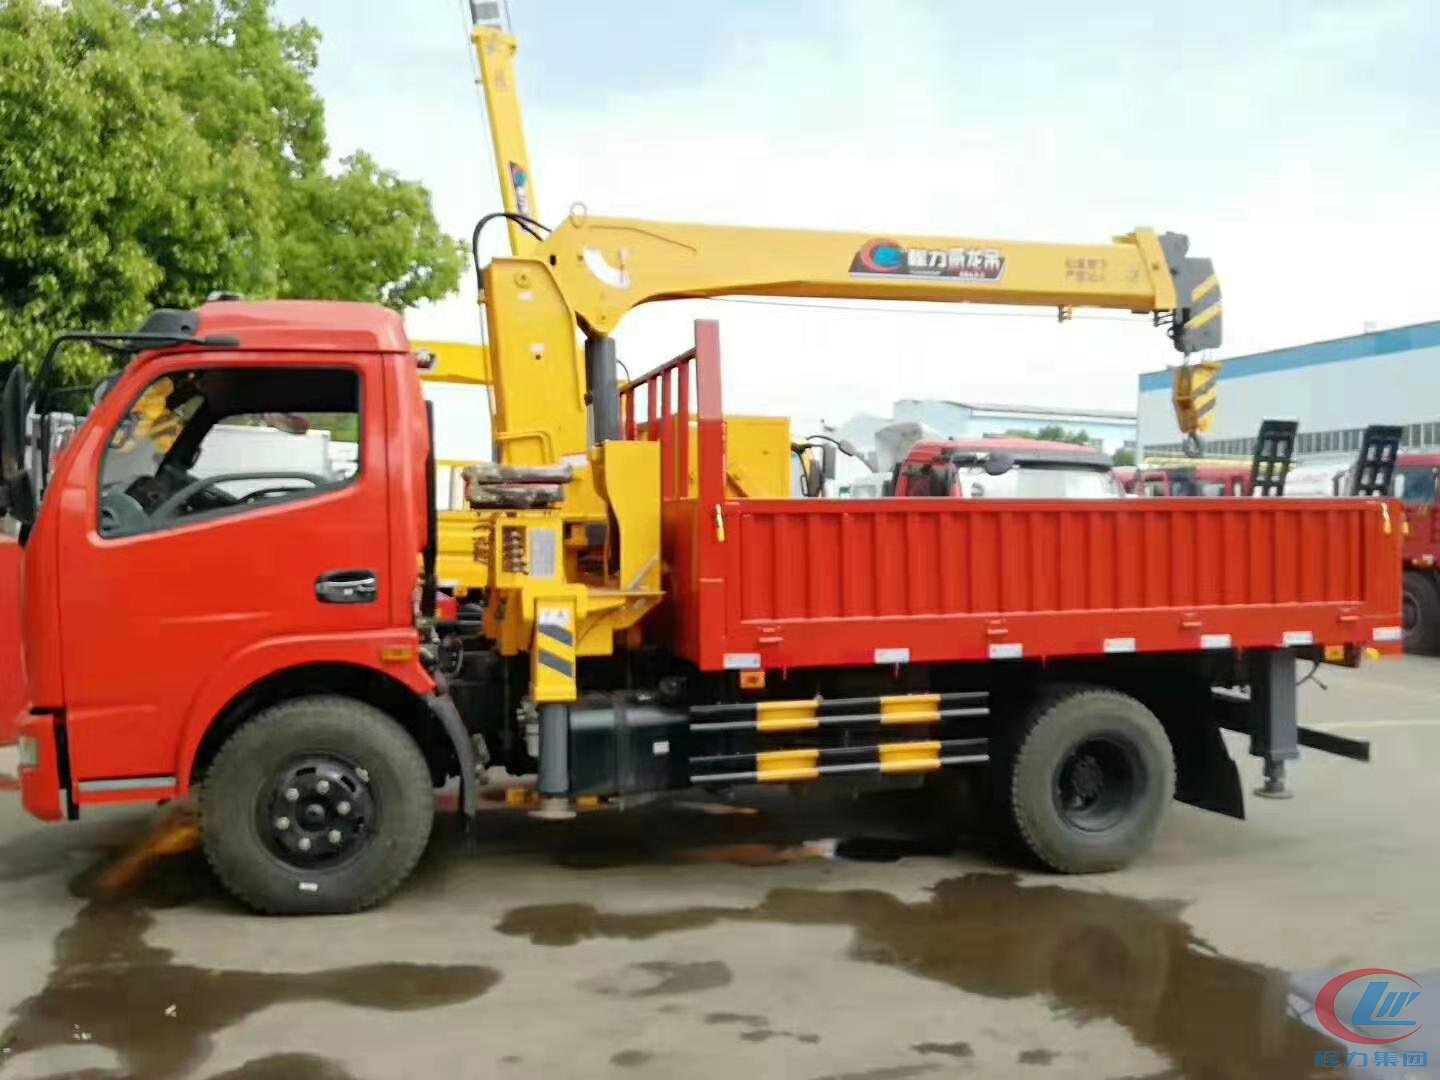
(1274,727)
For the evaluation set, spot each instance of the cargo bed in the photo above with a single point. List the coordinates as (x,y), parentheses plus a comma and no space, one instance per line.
(831,582)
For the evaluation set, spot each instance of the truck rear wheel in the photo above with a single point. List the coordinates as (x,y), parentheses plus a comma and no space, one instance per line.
(1421,613)
(318,805)
(1087,778)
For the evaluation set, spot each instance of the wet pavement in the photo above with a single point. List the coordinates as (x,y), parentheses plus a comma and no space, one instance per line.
(796,937)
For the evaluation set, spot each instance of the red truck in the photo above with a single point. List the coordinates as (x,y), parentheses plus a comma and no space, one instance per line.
(1415,487)
(261,635)
(1005,468)
(12,657)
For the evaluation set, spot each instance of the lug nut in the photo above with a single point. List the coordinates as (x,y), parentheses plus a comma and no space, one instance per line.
(322,786)
(282,823)
(364,775)
(292,794)
(343,809)
(334,836)
(304,844)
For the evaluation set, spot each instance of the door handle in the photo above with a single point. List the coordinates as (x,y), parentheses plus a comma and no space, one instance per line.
(347,587)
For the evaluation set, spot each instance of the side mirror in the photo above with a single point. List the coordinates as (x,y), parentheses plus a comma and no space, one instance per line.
(17,494)
(998,463)
(13,404)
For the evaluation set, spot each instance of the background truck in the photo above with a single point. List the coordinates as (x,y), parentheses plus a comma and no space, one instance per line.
(646,628)
(1005,468)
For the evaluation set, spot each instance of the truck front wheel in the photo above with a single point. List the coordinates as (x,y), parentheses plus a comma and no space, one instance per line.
(1087,778)
(318,805)
(1421,613)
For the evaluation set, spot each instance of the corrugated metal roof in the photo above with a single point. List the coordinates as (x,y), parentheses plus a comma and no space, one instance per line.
(1357,347)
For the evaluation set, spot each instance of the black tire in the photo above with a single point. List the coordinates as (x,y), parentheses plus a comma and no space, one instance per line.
(1421,613)
(1085,780)
(367,761)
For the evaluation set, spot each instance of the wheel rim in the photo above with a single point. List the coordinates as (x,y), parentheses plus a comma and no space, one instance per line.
(1410,613)
(318,812)
(1097,783)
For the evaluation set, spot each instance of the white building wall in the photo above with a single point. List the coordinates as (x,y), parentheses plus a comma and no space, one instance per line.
(961,421)
(1322,393)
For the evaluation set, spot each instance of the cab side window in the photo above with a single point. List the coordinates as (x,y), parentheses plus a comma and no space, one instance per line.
(217,441)
(1415,485)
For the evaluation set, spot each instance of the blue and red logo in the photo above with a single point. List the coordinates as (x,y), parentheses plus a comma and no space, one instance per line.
(1373,1001)
(879,257)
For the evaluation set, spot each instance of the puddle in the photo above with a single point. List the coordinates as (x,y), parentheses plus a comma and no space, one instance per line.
(110,988)
(1089,955)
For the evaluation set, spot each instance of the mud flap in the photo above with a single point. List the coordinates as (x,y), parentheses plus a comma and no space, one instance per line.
(1205,774)
(444,710)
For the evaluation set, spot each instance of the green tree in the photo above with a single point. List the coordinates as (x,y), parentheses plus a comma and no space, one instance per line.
(1055,433)
(1123,456)
(152,151)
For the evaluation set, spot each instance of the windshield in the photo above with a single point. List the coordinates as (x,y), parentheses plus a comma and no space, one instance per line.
(1040,482)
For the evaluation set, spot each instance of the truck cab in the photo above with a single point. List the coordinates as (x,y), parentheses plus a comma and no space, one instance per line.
(1013,468)
(160,593)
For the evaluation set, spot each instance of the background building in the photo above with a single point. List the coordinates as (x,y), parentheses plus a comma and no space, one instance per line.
(1107,428)
(1333,388)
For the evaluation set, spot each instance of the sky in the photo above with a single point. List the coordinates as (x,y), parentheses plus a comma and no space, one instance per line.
(1296,143)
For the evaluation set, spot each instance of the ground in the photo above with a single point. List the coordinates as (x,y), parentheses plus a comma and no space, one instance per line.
(805,940)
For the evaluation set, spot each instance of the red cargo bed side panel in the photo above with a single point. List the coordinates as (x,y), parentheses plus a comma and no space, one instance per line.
(831,582)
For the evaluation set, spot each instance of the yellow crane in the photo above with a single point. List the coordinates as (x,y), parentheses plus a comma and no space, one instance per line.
(571,514)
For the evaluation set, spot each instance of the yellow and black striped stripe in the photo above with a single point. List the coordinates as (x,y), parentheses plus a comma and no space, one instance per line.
(812,763)
(811,714)
(552,655)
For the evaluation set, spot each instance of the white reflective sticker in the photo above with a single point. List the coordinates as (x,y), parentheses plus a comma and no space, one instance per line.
(309,886)
(892,656)
(1388,633)
(742,661)
(660,747)
(1214,641)
(554,616)
(544,545)
(1298,637)
(1119,644)
(1007,650)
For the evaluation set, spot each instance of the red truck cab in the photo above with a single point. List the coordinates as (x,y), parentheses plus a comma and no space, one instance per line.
(1215,481)
(181,598)
(1005,468)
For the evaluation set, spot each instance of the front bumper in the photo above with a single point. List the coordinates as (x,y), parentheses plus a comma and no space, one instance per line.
(41,786)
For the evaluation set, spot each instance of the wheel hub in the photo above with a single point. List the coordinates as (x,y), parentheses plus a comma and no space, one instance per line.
(319,811)
(1097,783)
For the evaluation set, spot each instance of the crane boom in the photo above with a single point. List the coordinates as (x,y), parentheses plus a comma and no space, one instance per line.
(495,50)
(606,266)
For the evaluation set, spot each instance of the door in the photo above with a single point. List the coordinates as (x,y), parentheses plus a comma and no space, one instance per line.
(235,501)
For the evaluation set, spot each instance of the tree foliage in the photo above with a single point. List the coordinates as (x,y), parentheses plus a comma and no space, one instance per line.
(1056,433)
(153,151)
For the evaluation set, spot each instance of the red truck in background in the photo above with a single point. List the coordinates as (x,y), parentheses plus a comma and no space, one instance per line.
(1415,476)
(1004,468)
(1214,481)
(12,655)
